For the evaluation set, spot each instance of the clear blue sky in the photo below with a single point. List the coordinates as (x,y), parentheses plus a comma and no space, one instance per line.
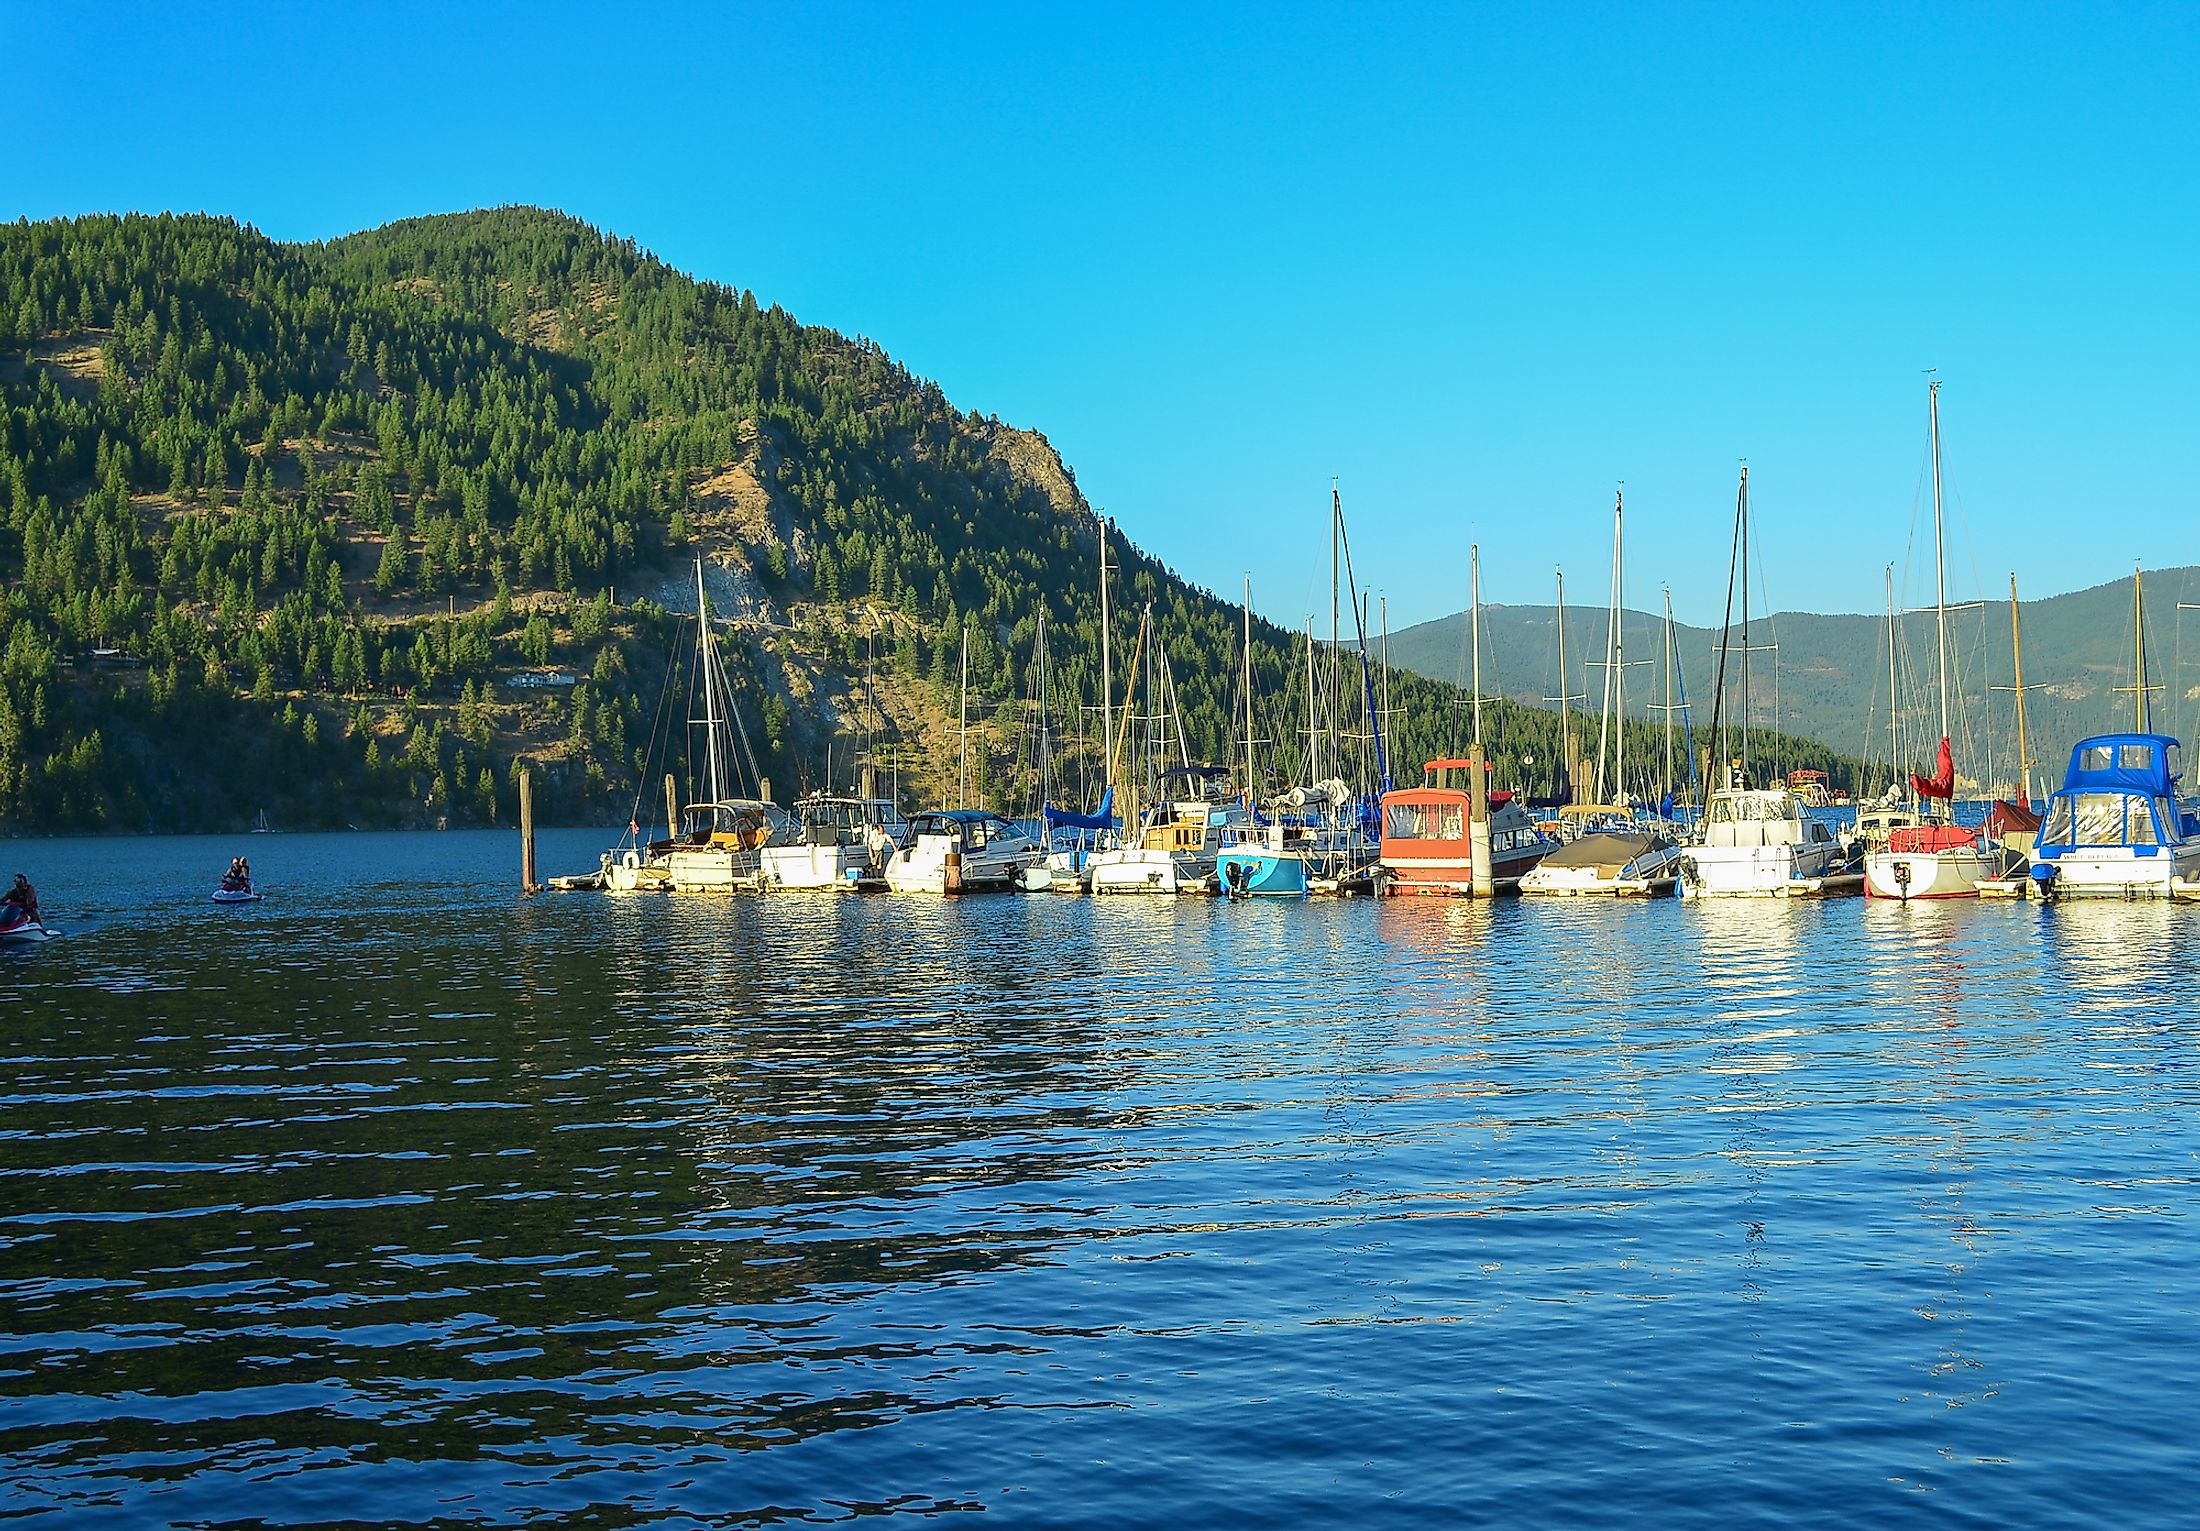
(1479,264)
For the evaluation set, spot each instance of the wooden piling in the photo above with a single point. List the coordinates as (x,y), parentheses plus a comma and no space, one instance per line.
(1478,822)
(527,830)
(672,808)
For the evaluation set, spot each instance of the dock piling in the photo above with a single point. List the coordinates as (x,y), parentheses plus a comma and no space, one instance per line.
(1478,822)
(527,830)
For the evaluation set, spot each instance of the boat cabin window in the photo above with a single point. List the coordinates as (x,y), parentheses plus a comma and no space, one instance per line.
(2134,757)
(2096,757)
(1426,821)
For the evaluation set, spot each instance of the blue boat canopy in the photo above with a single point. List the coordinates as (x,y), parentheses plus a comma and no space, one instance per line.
(1102,817)
(2143,763)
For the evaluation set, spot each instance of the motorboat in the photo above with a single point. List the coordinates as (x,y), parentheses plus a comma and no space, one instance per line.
(1426,847)
(2118,827)
(1758,843)
(722,836)
(231,892)
(840,837)
(1641,863)
(962,850)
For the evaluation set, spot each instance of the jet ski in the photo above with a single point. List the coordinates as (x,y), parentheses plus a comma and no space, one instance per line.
(19,929)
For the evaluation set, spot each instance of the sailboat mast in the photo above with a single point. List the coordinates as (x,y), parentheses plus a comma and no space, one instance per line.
(1107,672)
(2016,649)
(1894,710)
(1474,601)
(1248,690)
(2139,719)
(1313,764)
(1669,693)
(1565,699)
(1940,564)
(1336,632)
(708,657)
(1744,532)
(1046,734)
(962,752)
(1386,657)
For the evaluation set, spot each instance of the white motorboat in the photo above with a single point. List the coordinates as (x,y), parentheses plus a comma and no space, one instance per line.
(1640,863)
(962,850)
(841,838)
(1758,843)
(2118,827)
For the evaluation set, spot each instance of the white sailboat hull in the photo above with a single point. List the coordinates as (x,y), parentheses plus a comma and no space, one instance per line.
(711,869)
(1148,871)
(1908,876)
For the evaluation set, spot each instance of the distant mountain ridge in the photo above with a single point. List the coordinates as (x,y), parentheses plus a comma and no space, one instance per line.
(1827,679)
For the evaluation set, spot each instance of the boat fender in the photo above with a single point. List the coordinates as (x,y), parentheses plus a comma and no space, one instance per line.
(632,861)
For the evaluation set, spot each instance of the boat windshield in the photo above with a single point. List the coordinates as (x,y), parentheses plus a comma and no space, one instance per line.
(2102,818)
(837,813)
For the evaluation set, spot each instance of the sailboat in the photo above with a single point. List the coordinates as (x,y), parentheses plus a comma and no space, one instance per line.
(1757,842)
(2121,825)
(1071,835)
(1194,812)
(1608,852)
(1938,858)
(1269,859)
(721,838)
(2013,825)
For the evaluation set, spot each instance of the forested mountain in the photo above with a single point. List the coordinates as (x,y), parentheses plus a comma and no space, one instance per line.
(1826,677)
(341,533)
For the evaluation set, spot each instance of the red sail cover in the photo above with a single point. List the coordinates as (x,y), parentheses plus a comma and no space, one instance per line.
(1942,783)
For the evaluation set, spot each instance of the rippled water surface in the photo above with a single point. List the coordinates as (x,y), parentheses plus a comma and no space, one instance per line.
(399,1199)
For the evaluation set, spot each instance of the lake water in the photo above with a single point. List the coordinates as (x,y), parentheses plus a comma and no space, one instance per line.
(400,1199)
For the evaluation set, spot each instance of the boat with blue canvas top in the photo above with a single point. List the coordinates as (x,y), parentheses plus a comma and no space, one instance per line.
(2118,827)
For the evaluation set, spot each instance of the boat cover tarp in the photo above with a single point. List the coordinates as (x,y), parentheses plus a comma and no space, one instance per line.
(1924,839)
(1102,817)
(1612,850)
(2122,763)
(2006,818)
(1942,783)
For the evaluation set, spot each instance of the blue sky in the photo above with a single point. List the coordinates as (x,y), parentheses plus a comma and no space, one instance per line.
(1479,264)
